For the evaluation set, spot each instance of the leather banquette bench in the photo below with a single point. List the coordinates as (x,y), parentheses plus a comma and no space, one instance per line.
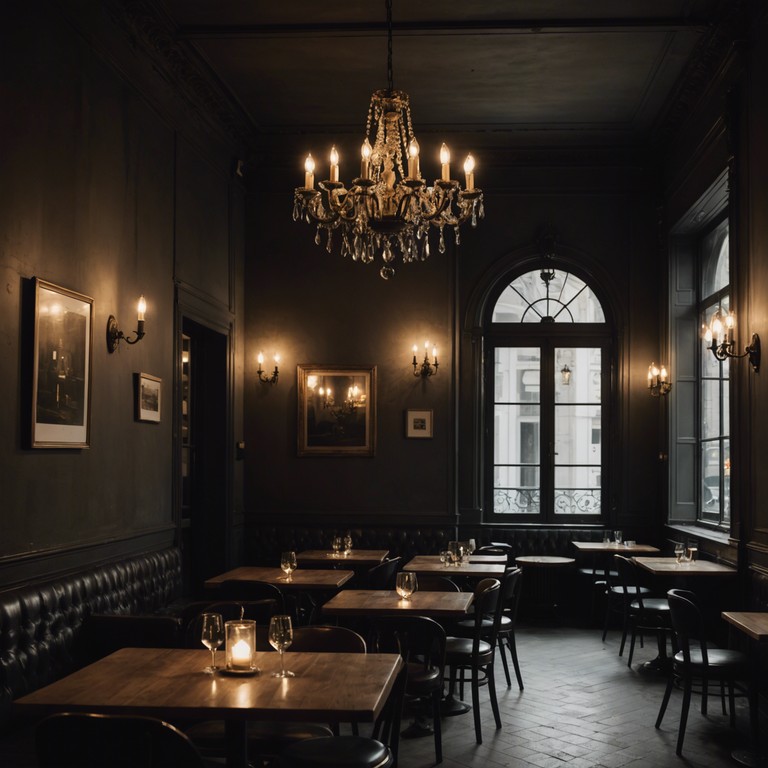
(50,628)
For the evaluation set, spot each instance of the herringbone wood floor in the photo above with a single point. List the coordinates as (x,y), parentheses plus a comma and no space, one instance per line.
(581,708)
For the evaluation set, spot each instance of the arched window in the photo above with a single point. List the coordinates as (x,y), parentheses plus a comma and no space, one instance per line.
(547,357)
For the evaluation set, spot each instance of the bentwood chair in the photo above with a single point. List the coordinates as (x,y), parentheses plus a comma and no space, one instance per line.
(83,740)
(382,576)
(380,750)
(476,653)
(421,643)
(643,613)
(260,611)
(235,589)
(618,596)
(695,663)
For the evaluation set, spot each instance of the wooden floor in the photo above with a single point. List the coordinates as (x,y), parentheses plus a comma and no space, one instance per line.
(581,708)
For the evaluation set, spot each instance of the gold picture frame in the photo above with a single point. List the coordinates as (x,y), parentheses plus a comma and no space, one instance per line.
(337,410)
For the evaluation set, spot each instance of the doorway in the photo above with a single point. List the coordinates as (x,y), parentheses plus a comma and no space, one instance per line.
(204,459)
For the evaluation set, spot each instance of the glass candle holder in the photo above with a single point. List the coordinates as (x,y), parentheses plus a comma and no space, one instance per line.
(241,645)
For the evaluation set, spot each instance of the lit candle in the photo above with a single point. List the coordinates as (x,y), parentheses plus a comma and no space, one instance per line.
(334,164)
(309,172)
(413,159)
(445,159)
(469,168)
(663,374)
(365,161)
(260,358)
(277,359)
(650,376)
(241,654)
(414,354)
(434,353)
(142,307)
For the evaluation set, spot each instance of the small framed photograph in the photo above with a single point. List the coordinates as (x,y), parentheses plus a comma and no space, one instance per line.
(149,390)
(418,423)
(61,367)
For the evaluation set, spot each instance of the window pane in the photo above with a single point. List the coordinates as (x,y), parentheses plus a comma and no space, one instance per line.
(583,381)
(710,479)
(714,264)
(565,299)
(710,409)
(516,501)
(516,434)
(569,501)
(516,377)
(578,434)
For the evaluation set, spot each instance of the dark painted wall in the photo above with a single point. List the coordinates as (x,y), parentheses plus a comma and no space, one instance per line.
(110,189)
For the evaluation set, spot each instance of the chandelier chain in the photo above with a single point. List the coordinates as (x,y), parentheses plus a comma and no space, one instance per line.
(390,76)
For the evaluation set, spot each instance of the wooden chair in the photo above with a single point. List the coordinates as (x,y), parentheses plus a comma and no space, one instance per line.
(382,576)
(695,662)
(83,740)
(476,653)
(421,643)
(234,589)
(378,751)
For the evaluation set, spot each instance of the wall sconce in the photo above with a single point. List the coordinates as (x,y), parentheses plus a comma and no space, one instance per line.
(425,369)
(719,336)
(268,379)
(657,380)
(565,373)
(115,335)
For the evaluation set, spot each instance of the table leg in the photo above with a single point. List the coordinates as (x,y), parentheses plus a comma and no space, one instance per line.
(237,743)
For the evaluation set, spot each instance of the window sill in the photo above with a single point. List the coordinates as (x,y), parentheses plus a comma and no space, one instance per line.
(700,532)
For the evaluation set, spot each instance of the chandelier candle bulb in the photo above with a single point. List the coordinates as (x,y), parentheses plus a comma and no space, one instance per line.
(334,164)
(365,159)
(309,173)
(445,159)
(469,172)
(413,159)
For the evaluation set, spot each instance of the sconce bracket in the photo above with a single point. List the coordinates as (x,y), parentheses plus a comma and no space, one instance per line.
(753,352)
(115,335)
(268,379)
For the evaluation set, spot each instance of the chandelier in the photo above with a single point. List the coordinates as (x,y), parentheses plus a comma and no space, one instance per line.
(386,210)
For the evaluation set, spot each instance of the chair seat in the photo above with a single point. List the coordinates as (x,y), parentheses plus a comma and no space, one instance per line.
(597,573)
(266,737)
(651,605)
(338,752)
(421,680)
(721,660)
(459,649)
(619,591)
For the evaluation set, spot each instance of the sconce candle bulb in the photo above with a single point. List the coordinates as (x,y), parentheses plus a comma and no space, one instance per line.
(264,379)
(115,335)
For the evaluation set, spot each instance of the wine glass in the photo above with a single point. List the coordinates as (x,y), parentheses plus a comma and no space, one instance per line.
(617,537)
(445,557)
(471,547)
(212,636)
(288,564)
(280,637)
(405,584)
(347,543)
(679,551)
(336,545)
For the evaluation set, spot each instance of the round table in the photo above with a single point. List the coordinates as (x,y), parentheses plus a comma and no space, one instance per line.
(542,589)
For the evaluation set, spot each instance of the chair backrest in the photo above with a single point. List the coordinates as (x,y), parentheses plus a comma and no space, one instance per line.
(317,639)
(418,639)
(486,602)
(687,623)
(627,571)
(387,726)
(261,611)
(382,576)
(509,596)
(429,583)
(251,590)
(82,740)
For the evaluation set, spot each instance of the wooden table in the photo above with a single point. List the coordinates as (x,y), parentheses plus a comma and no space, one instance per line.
(357,558)
(668,566)
(754,624)
(368,602)
(301,578)
(544,589)
(611,548)
(431,565)
(170,684)
(493,559)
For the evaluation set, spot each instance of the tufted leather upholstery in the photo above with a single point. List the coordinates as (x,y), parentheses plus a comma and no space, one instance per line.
(41,624)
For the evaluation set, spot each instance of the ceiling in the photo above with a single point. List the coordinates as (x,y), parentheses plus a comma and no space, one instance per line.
(524,71)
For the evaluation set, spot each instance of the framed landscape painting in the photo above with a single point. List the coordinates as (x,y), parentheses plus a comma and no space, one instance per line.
(61,367)
(149,390)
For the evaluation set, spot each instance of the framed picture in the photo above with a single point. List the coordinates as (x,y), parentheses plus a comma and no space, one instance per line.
(337,410)
(61,367)
(418,423)
(149,390)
